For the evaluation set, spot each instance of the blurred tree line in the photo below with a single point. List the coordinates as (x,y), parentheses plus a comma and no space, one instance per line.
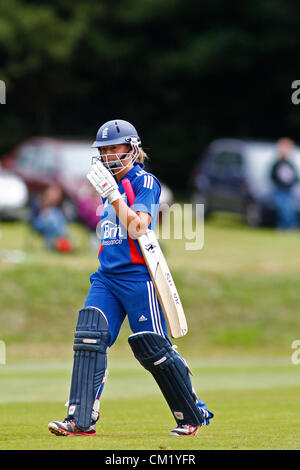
(183,72)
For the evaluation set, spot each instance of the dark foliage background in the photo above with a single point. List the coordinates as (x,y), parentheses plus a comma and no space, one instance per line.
(183,72)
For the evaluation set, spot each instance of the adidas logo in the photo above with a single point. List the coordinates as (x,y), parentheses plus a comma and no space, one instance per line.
(142,318)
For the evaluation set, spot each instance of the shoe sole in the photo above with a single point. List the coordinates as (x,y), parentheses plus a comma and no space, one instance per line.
(62,432)
(172,433)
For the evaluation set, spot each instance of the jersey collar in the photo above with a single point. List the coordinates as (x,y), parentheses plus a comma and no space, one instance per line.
(137,167)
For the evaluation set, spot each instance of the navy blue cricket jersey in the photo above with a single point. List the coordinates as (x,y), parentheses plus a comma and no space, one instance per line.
(120,255)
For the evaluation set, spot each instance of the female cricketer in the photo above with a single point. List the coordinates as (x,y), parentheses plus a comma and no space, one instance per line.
(122,286)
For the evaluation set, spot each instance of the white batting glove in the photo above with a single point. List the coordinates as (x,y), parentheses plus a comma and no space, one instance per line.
(104,182)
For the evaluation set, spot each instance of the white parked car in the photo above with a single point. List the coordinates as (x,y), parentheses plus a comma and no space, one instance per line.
(13,196)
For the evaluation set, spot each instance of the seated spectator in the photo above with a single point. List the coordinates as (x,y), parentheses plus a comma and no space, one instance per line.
(49,220)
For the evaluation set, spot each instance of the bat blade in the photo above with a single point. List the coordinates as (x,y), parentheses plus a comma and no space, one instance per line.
(164,284)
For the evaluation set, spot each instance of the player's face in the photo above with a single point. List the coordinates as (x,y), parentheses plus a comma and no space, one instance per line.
(115,153)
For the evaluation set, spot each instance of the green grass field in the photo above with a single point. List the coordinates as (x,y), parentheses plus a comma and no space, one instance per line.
(256,404)
(241,295)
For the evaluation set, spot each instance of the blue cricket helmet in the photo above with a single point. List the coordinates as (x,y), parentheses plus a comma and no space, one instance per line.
(116,132)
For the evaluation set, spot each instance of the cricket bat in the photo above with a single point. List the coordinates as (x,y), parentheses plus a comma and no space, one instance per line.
(161,277)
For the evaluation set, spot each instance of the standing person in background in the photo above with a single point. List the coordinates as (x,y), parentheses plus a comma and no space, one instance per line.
(284,177)
(122,286)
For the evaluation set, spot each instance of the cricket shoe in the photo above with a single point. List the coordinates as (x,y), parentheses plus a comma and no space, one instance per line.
(185,430)
(68,428)
(188,429)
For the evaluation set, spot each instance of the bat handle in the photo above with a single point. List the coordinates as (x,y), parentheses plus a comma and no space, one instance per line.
(128,190)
